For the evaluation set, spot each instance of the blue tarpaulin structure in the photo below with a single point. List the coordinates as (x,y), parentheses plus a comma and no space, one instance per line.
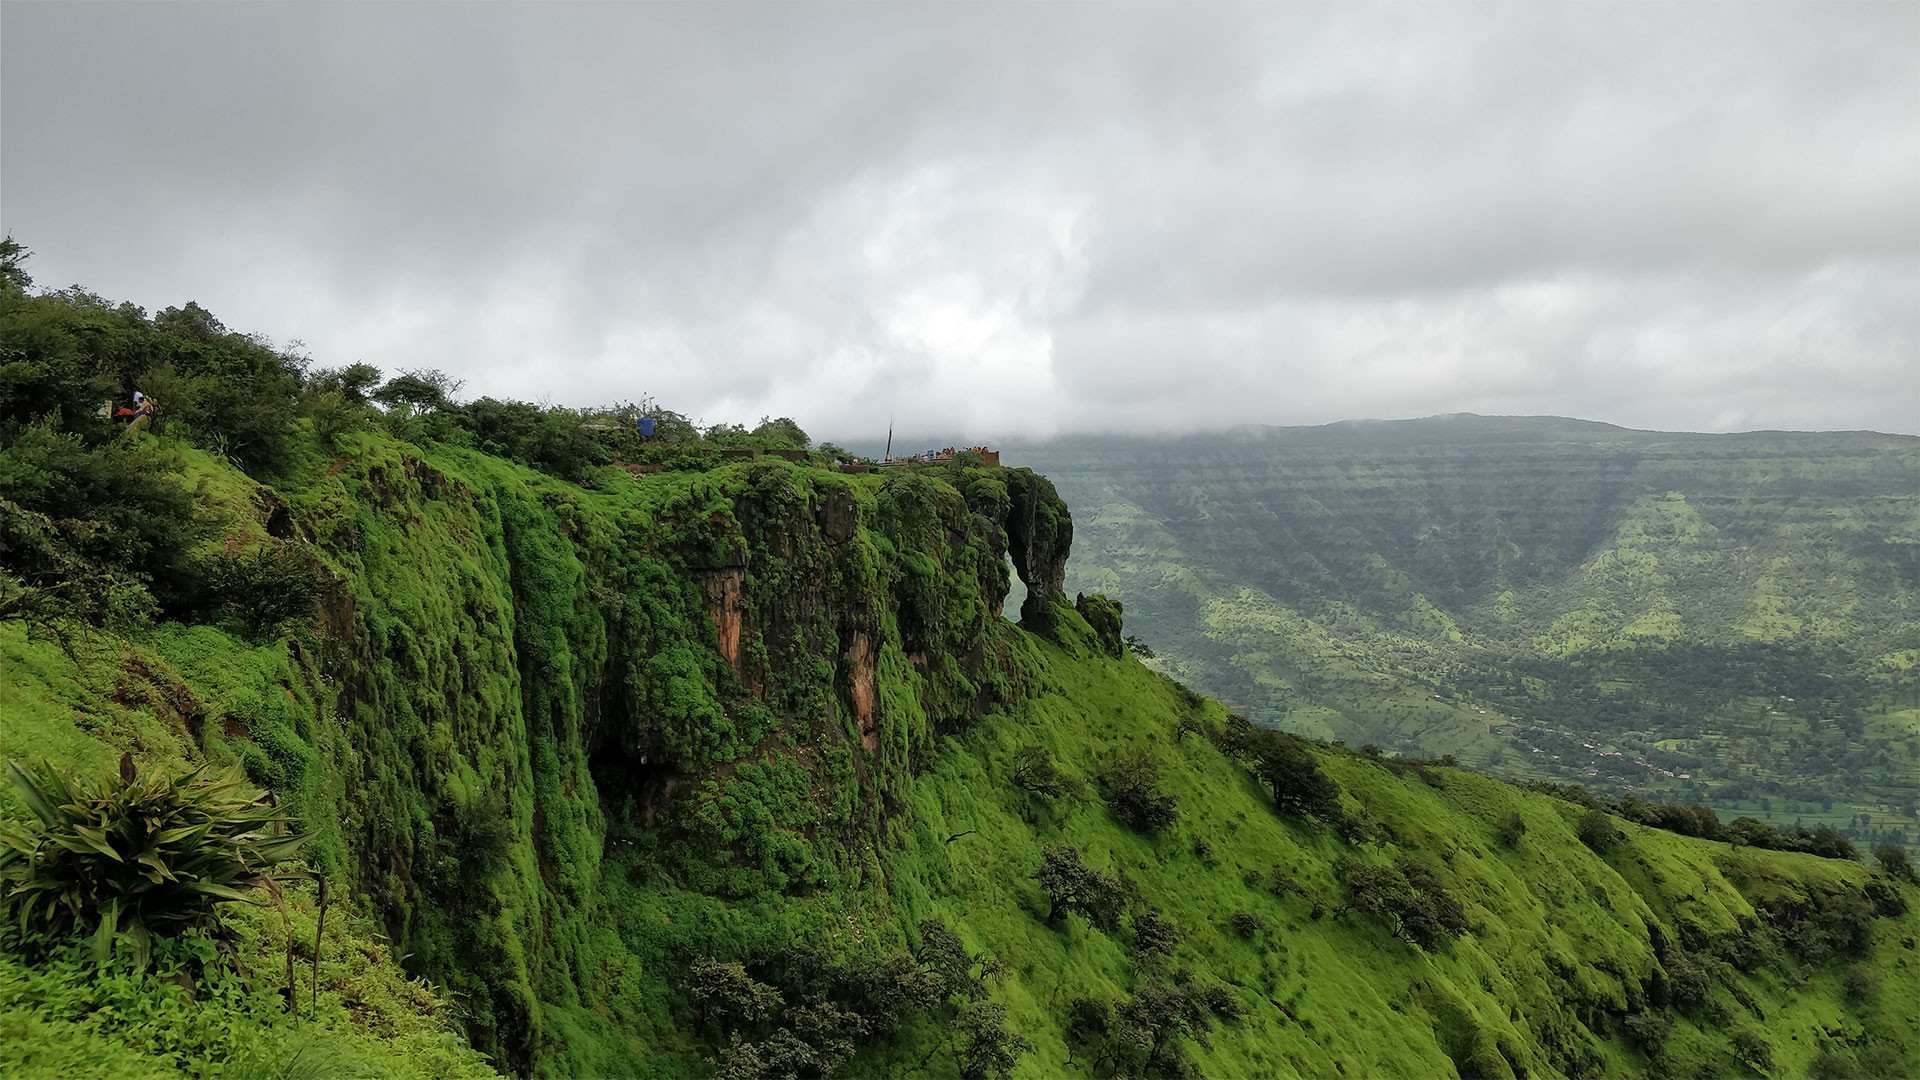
(645,424)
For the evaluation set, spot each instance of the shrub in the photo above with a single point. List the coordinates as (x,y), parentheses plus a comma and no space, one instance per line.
(780,433)
(987,498)
(1512,828)
(1132,781)
(1036,774)
(1410,896)
(559,442)
(726,995)
(1650,1030)
(1247,924)
(119,505)
(1860,985)
(1280,881)
(48,586)
(1293,774)
(332,415)
(1892,861)
(134,856)
(1597,831)
(268,589)
(1690,980)
(1072,885)
(1154,935)
(988,1049)
(1753,1048)
(1832,1066)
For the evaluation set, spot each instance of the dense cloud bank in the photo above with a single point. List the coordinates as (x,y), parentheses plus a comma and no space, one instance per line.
(1013,219)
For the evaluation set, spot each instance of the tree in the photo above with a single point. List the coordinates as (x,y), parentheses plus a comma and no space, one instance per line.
(989,1049)
(1072,885)
(419,389)
(192,321)
(1512,828)
(728,997)
(1410,896)
(1145,1035)
(1650,1030)
(1247,924)
(1293,774)
(1154,935)
(1597,831)
(1088,1022)
(13,272)
(946,958)
(354,383)
(1035,773)
(781,433)
(1690,980)
(1892,861)
(1132,779)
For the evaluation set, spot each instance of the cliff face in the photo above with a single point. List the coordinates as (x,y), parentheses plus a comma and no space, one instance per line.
(526,670)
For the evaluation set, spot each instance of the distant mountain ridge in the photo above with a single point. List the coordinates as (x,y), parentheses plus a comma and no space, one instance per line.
(1555,582)
(1441,427)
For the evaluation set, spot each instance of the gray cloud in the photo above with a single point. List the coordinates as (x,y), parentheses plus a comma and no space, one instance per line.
(997,220)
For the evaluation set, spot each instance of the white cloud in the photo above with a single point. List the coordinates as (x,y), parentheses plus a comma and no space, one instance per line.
(995,221)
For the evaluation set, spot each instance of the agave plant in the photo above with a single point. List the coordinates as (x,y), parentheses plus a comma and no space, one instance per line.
(134,855)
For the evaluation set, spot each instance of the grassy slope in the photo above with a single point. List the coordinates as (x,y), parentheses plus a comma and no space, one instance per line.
(474,606)
(1338,578)
(1555,926)
(372,1018)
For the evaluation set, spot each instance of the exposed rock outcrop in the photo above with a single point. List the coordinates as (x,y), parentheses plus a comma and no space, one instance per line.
(1039,538)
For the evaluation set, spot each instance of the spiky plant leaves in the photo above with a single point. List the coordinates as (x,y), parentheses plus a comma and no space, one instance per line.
(132,856)
(103,934)
(39,797)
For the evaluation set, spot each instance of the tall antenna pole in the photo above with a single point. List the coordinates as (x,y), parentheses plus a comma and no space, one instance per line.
(889,455)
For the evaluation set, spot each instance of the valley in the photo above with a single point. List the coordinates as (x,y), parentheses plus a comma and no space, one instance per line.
(1717,618)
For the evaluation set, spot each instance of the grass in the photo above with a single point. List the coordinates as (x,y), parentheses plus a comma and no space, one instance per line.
(536,775)
(1557,930)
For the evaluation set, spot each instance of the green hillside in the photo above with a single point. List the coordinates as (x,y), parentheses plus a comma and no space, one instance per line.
(569,954)
(724,764)
(1721,618)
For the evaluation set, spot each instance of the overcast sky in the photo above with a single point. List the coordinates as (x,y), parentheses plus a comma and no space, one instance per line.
(1018,220)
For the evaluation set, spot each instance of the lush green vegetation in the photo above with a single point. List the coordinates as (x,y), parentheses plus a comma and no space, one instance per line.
(1717,619)
(738,767)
